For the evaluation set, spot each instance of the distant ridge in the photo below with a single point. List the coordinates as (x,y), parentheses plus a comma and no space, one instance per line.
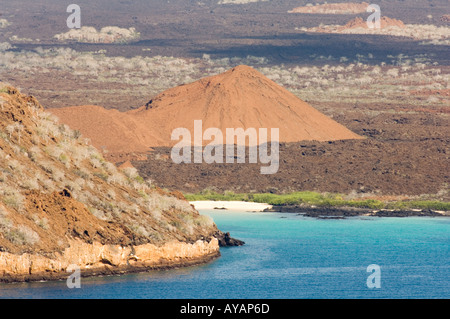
(333,8)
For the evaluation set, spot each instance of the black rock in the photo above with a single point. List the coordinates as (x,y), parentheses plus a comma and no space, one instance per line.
(225,240)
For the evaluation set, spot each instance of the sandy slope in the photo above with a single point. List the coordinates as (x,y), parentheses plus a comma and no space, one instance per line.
(238,98)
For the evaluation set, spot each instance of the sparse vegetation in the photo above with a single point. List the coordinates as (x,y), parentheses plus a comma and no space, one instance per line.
(39,156)
(12,197)
(41,222)
(349,79)
(16,234)
(426,33)
(4,23)
(110,34)
(318,199)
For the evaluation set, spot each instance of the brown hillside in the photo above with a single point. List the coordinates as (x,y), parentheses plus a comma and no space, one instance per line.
(61,203)
(108,129)
(239,98)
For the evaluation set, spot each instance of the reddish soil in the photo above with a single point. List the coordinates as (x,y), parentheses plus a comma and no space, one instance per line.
(403,154)
(239,98)
(126,164)
(50,218)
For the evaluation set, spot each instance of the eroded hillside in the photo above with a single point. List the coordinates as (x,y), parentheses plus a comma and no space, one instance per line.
(57,192)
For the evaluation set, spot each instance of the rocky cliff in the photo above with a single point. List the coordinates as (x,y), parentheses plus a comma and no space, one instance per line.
(62,203)
(97,259)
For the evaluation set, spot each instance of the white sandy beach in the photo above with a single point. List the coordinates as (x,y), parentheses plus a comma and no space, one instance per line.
(230,205)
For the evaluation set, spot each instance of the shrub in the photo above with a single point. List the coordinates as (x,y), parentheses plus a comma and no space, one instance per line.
(64,158)
(5,223)
(34,153)
(111,194)
(98,213)
(48,185)
(101,175)
(13,201)
(41,222)
(416,204)
(47,167)
(30,183)
(57,175)
(21,235)
(118,178)
(12,197)
(204,221)
(131,172)
(74,186)
(83,174)
(95,162)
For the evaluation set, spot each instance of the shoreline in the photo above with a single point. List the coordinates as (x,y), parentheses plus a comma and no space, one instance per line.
(230,205)
(103,260)
(107,270)
(315,211)
(344,212)
(96,259)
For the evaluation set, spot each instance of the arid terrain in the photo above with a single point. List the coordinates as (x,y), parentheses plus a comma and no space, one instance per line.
(62,203)
(390,87)
(238,98)
(332,8)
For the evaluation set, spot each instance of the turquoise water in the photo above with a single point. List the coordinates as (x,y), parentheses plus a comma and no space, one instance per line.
(289,256)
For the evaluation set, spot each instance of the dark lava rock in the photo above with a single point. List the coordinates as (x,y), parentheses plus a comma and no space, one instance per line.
(343,212)
(407,213)
(225,240)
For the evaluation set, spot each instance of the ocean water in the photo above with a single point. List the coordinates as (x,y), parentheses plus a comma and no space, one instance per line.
(293,257)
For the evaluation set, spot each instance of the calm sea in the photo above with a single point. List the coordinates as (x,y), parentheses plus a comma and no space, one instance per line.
(290,256)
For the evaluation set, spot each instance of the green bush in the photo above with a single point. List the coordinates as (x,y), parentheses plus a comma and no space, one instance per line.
(435,205)
(316,199)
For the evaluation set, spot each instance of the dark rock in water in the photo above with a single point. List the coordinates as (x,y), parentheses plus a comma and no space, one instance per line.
(407,213)
(225,240)
(344,212)
(319,212)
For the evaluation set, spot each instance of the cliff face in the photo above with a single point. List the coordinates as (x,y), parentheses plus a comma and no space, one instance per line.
(96,259)
(61,203)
